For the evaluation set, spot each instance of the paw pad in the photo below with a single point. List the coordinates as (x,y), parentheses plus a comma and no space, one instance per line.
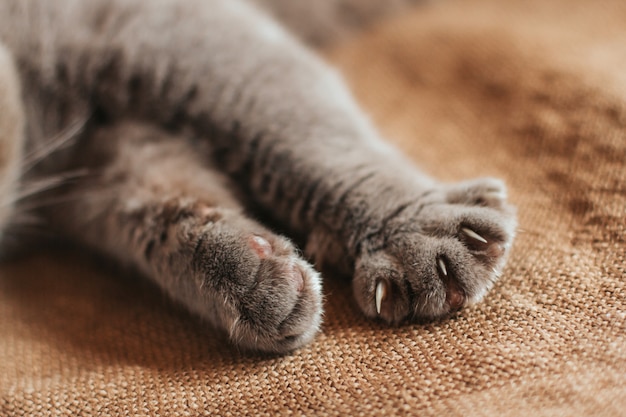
(261,246)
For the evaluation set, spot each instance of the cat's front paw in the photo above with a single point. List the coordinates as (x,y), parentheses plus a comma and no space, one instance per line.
(282,310)
(437,255)
(263,293)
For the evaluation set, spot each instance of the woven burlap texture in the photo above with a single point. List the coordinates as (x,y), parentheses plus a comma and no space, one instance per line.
(530,91)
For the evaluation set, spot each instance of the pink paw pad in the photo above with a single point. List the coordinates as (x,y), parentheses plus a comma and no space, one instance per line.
(454,296)
(296,276)
(261,246)
(264,250)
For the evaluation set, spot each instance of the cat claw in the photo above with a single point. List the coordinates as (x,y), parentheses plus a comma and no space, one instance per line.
(496,195)
(442,267)
(381,291)
(473,235)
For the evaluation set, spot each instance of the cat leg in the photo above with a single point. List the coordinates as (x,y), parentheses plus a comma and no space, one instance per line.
(153,205)
(416,248)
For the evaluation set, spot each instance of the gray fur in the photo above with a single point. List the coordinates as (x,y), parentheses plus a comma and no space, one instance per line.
(192,109)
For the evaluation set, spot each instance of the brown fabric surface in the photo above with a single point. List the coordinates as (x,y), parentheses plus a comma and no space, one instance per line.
(530,91)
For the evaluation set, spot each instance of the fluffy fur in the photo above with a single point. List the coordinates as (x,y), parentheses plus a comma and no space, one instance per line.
(171,116)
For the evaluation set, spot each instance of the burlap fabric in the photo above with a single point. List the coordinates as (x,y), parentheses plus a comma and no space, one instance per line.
(531,91)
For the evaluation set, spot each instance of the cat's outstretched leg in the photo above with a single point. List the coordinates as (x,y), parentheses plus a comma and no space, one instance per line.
(153,204)
(416,248)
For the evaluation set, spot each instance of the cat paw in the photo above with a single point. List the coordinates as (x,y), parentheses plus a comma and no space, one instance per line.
(437,255)
(264,294)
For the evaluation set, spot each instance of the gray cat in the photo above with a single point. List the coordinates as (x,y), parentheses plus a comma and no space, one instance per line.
(143,128)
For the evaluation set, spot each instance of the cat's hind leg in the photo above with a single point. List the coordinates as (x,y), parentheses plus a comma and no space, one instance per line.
(154,204)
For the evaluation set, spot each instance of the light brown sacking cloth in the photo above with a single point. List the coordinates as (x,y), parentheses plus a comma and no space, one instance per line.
(529,91)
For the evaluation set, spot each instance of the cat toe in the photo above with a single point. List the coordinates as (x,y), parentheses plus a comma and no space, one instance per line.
(455,294)
(488,192)
(290,271)
(379,288)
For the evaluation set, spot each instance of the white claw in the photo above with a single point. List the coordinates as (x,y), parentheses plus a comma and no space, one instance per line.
(381,289)
(474,235)
(496,195)
(442,266)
